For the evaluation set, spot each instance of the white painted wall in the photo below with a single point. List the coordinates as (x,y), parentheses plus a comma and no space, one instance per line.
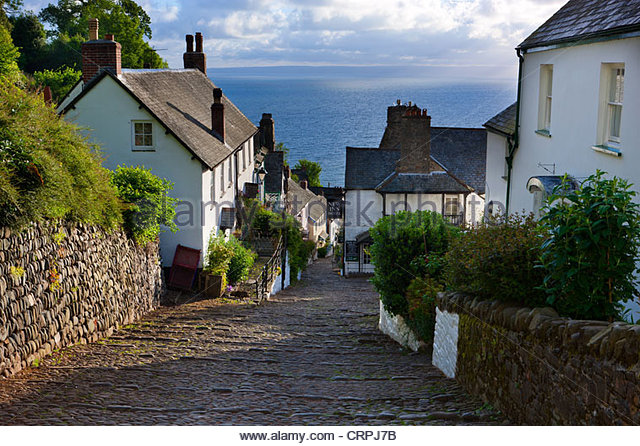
(106,113)
(496,182)
(397,329)
(445,342)
(574,116)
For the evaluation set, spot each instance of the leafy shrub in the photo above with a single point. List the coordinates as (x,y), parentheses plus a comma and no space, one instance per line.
(322,251)
(241,261)
(497,261)
(47,170)
(421,299)
(60,81)
(149,205)
(218,256)
(8,55)
(312,170)
(399,241)
(591,247)
(299,250)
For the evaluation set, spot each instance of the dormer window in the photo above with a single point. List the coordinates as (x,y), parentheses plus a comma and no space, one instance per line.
(142,135)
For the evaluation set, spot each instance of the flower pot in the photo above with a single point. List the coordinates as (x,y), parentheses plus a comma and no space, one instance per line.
(213,285)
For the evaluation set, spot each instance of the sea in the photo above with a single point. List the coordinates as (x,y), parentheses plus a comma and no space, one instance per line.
(318,114)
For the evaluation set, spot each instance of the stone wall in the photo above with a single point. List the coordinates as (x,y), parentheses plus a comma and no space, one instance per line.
(539,368)
(61,284)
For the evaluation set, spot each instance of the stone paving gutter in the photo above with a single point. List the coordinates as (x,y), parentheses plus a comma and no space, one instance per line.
(311,356)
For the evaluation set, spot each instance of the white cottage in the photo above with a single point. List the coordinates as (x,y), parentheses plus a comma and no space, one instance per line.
(416,167)
(176,122)
(309,209)
(579,99)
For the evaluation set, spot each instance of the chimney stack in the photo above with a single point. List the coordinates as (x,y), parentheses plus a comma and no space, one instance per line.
(304,184)
(195,59)
(217,114)
(415,141)
(267,132)
(98,55)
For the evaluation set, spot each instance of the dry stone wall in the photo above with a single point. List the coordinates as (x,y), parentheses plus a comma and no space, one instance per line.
(62,284)
(539,368)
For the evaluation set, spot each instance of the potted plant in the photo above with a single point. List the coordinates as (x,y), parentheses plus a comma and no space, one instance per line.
(217,260)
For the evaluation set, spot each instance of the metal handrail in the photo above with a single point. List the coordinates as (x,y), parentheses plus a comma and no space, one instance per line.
(264,281)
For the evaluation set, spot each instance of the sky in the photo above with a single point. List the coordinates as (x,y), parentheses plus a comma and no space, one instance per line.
(478,36)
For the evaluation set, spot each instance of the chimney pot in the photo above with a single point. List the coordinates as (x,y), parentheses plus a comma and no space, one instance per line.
(217,114)
(398,102)
(199,47)
(195,59)
(93,29)
(304,184)
(109,37)
(48,97)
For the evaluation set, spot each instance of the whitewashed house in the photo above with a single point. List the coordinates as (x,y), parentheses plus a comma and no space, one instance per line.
(416,167)
(309,209)
(578,105)
(176,122)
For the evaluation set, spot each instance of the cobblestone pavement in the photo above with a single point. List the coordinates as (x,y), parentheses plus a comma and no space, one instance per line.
(312,355)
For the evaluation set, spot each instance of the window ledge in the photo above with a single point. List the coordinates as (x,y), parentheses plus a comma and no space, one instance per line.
(607,150)
(148,149)
(543,132)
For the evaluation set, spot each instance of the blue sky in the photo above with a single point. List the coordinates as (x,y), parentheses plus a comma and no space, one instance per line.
(472,35)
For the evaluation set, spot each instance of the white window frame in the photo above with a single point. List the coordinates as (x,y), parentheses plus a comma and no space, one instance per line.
(609,101)
(545,99)
(142,148)
(222,183)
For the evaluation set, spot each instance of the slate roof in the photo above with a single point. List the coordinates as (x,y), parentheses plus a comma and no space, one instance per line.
(504,122)
(461,151)
(434,182)
(584,19)
(298,198)
(181,100)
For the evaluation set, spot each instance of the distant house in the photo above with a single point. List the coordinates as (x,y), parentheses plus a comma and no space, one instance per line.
(309,209)
(578,105)
(179,124)
(416,167)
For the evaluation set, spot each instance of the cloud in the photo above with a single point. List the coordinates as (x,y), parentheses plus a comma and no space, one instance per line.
(347,32)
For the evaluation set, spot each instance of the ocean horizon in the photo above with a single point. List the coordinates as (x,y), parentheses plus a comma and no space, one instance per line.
(319,112)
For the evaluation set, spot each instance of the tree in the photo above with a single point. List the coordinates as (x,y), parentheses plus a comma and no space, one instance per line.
(123,18)
(8,55)
(312,170)
(29,36)
(8,8)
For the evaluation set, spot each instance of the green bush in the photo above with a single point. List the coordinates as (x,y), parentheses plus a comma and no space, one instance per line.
(241,261)
(149,206)
(497,261)
(591,247)
(300,251)
(421,299)
(218,256)
(47,170)
(399,242)
(60,81)
(322,251)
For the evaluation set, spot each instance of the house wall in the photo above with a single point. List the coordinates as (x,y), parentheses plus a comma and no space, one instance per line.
(574,116)
(106,114)
(496,183)
(574,119)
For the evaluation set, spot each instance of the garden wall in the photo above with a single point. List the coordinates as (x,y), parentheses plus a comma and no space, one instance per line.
(62,284)
(539,368)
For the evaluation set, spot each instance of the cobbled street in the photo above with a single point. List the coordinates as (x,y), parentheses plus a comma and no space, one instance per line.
(310,356)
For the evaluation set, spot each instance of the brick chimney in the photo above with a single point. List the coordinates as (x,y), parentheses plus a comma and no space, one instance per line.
(195,59)
(217,114)
(304,184)
(415,141)
(267,132)
(99,54)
